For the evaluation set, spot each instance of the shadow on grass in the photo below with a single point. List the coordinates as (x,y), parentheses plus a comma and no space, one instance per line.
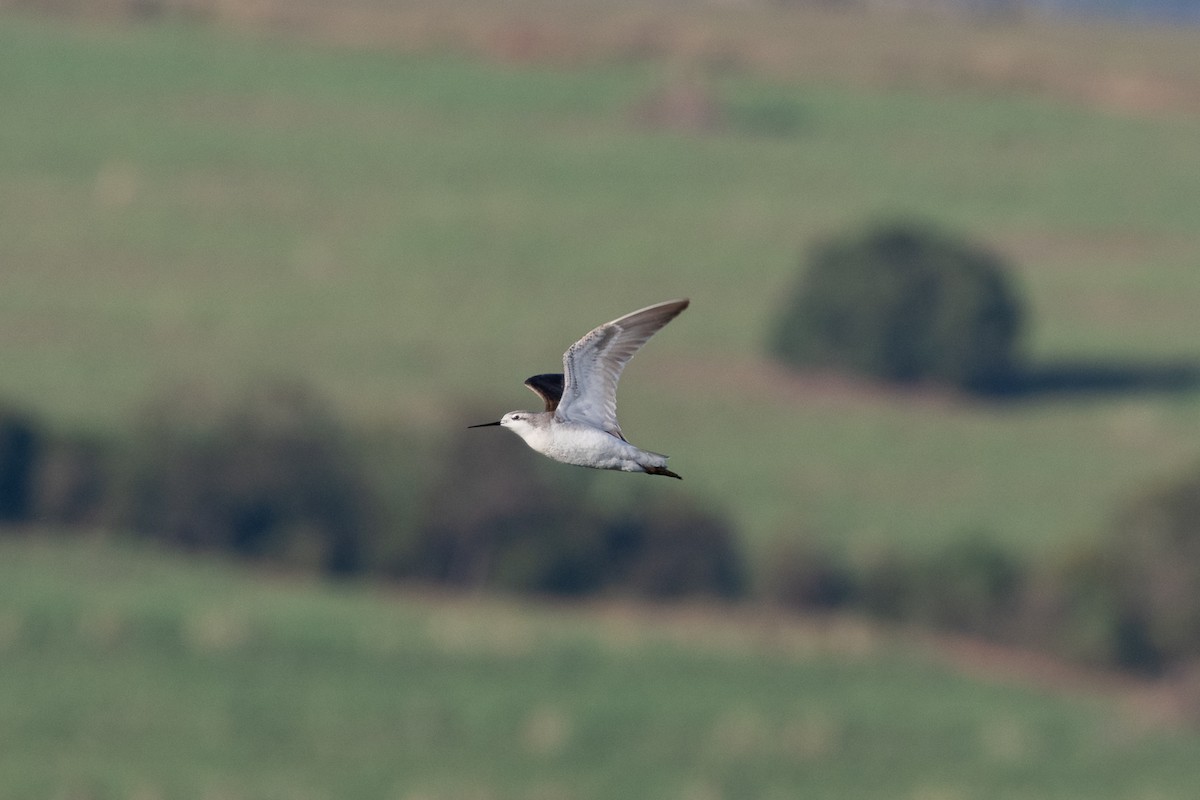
(1100,378)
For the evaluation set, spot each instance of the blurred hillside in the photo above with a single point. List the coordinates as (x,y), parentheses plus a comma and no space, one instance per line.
(1073,50)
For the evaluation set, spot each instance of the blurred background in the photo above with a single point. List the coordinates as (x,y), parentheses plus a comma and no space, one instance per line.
(936,401)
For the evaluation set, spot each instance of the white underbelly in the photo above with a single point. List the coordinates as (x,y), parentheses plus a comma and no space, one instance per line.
(588,447)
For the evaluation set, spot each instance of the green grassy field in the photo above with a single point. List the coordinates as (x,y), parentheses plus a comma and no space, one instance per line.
(129,675)
(416,234)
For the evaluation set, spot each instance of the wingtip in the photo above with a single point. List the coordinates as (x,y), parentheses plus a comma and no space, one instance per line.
(672,307)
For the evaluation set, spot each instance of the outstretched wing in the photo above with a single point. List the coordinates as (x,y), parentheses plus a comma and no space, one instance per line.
(593,365)
(549,387)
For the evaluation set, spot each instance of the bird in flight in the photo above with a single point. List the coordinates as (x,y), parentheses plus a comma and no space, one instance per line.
(579,425)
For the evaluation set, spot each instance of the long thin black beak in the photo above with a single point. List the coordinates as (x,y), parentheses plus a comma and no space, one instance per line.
(484,425)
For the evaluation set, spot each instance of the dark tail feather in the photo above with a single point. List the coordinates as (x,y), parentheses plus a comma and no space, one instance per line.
(662,471)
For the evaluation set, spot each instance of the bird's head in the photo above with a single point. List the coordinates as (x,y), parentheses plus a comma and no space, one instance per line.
(519,422)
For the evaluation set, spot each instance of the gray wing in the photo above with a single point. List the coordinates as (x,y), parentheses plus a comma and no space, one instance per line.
(593,365)
(549,387)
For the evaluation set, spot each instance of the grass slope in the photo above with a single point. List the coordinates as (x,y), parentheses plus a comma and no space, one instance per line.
(130,675)
(406,232)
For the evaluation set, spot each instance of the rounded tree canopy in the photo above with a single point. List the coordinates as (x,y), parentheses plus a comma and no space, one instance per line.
(904,303)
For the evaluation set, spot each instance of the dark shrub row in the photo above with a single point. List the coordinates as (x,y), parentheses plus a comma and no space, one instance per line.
(271,475)
(1129,598)
(972,585)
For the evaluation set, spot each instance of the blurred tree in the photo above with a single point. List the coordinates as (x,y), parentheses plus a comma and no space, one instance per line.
(1131,599)
(269,474)
(904,303)
(497,517)
(970,585)
(803,573)
(668,547)
(73,482)
(1157,580)
(494,519)
(21,443)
